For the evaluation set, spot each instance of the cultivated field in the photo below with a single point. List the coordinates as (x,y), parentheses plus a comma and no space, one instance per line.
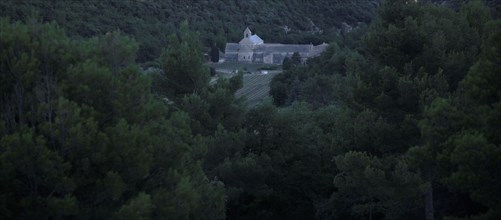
(256,81)
(256,87)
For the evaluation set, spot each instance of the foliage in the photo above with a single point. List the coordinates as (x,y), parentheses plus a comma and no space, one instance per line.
(396,120)
(183,72)
(410,94)
(149,22)
(84,137)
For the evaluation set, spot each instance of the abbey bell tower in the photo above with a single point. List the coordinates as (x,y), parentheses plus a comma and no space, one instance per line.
(247,33)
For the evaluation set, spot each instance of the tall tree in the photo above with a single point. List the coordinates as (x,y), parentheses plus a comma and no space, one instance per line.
(182,65)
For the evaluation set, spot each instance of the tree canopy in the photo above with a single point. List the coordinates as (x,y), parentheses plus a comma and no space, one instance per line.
(397,119)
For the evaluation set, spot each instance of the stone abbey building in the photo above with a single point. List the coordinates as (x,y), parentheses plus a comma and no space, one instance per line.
(252,49)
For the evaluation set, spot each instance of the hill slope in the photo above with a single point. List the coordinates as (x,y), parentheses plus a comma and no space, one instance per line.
(150,21)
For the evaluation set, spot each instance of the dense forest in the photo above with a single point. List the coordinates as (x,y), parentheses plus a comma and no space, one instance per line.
(396,120)
(151,21)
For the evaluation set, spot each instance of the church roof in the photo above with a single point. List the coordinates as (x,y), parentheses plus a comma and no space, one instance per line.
(285,48)
(232,47)
(256,39)
(252,40)
(278,48)
(246,41)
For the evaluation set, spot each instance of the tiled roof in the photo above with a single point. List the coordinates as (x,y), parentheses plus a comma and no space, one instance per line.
(256,39)
(286,48)
(246,41)
(232,47)
(279,48)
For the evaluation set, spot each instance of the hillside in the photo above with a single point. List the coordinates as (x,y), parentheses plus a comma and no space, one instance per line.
(150,21)
(218,22)
(397,119)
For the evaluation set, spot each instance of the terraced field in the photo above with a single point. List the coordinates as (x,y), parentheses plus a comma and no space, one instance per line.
(256,87)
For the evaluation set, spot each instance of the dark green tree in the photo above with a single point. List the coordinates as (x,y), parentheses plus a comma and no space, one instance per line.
(296,59)
(182,65)
(214,54)
(287,63)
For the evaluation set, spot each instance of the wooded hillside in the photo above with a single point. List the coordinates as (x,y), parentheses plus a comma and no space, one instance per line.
(398,120)
(218,22)
(151,21)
